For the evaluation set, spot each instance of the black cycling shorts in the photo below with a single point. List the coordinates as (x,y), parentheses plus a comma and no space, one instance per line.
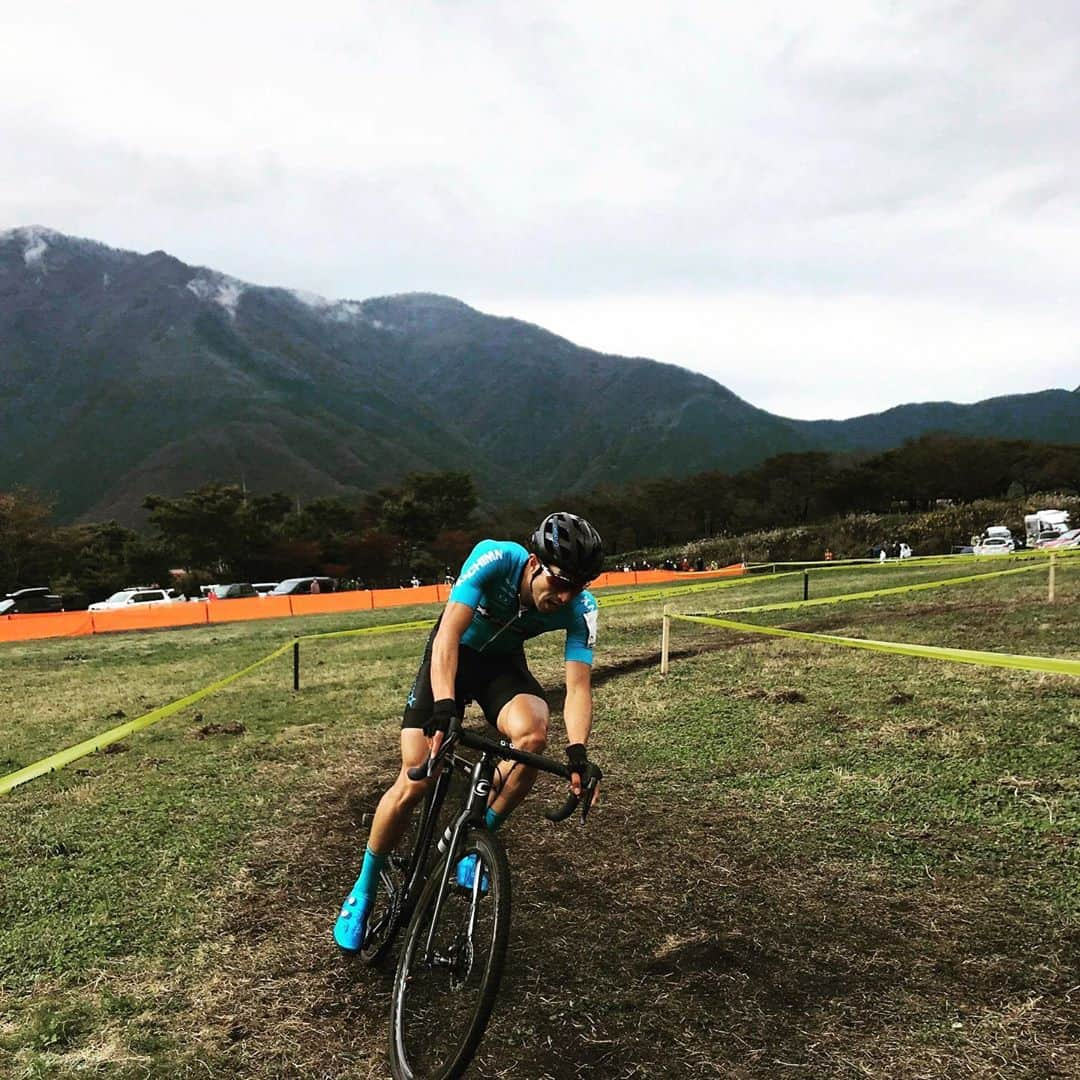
(490,681)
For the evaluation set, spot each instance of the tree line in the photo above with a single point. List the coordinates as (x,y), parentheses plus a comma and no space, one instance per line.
(427,524)
(797,489)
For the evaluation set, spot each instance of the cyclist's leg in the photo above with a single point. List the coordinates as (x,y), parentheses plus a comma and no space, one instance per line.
(514,702)
(396,805)
(393,812)
(524,721)
(391,819)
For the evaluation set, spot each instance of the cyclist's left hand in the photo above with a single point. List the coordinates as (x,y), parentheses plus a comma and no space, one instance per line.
(578,759)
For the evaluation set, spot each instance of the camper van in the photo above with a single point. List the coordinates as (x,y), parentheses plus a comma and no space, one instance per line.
(1045,525)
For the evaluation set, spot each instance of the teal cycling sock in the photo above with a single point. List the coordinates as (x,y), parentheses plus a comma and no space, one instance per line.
(493,820)
(368,881)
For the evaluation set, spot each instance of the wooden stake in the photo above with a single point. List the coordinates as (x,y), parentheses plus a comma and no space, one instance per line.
(1053,559)
(665,641)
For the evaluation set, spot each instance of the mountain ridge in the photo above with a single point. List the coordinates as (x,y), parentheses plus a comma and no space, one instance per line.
(157,376)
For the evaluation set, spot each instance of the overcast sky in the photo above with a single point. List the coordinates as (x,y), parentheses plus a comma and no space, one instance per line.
(830,211)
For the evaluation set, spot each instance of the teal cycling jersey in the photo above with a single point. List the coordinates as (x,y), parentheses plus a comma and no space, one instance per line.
(489,583)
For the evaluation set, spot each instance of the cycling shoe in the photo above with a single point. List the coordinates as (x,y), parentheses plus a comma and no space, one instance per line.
(466,873)
(351,925)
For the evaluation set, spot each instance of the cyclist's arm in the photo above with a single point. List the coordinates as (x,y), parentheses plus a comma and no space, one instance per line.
(577,712)
(444,650)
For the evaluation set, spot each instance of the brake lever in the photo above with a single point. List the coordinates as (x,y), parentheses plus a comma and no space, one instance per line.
(427,770)
(588,790)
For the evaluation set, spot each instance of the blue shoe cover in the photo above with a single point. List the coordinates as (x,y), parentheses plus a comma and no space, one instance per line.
(351,923)
(466,873)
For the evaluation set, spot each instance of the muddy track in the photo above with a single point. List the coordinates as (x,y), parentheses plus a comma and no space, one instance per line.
(655,943)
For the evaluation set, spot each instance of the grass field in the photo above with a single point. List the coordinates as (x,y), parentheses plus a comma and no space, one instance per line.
(809,860)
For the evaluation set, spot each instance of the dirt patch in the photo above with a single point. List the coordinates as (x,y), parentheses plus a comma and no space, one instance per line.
(232,728)
(663,940)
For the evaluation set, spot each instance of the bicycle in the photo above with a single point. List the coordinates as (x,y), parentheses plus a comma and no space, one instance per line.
(451,960)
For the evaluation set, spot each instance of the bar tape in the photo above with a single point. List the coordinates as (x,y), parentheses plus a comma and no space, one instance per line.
(1052,665)
(122,731)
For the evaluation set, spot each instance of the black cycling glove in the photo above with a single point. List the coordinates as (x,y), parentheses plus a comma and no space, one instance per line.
(444,711)
(578,757)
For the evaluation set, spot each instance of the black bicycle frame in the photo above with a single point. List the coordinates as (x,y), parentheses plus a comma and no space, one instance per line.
(471,816)
(476,801)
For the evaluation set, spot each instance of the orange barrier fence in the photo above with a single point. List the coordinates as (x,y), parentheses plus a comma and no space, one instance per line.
(254,607)
(59,624)
(196,613)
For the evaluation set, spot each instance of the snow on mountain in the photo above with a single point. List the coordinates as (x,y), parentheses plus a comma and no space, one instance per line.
(218,289)
(342,311)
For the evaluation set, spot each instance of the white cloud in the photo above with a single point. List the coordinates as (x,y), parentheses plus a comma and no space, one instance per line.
(782,188)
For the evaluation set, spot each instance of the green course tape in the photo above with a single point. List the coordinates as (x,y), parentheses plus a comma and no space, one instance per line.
(89,746)
(98,742)
(646,596)
(390,628)
(1048,664)
(790,605)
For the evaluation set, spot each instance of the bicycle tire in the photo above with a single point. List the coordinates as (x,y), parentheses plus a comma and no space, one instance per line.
(439,1011)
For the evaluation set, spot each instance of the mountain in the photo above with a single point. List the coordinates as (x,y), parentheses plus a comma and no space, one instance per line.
(123,374)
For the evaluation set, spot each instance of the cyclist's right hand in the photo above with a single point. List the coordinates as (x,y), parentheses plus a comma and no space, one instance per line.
(443,713)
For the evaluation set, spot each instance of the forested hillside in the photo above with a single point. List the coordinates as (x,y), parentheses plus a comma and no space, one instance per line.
(123,375)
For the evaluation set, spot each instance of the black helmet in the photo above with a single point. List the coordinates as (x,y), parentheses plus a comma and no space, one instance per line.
(570,543)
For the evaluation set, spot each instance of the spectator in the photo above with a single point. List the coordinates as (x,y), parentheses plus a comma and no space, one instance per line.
(315,586)
(828,555)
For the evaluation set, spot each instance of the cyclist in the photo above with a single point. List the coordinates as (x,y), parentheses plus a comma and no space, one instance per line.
(504,595)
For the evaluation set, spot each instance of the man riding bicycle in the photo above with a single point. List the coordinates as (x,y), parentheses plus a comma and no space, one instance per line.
(504,595)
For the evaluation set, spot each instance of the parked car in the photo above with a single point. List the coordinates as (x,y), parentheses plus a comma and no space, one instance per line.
(235,591)
(137,597)
(301,586)
(30,602)
(995,545)
(1070,539)
(264,587)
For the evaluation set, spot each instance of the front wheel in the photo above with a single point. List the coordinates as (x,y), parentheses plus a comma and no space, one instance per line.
(450,966)
(389,911)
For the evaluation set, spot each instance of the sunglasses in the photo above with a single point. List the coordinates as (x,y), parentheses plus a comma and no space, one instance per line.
(563,584)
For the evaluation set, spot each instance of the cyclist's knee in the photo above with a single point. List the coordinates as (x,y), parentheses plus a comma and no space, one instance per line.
(407,793)
(524,721)
(534,738)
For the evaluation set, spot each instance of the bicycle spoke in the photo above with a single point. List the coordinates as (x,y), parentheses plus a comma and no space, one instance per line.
(443,994)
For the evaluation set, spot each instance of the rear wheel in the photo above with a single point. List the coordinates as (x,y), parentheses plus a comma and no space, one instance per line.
(443,995)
